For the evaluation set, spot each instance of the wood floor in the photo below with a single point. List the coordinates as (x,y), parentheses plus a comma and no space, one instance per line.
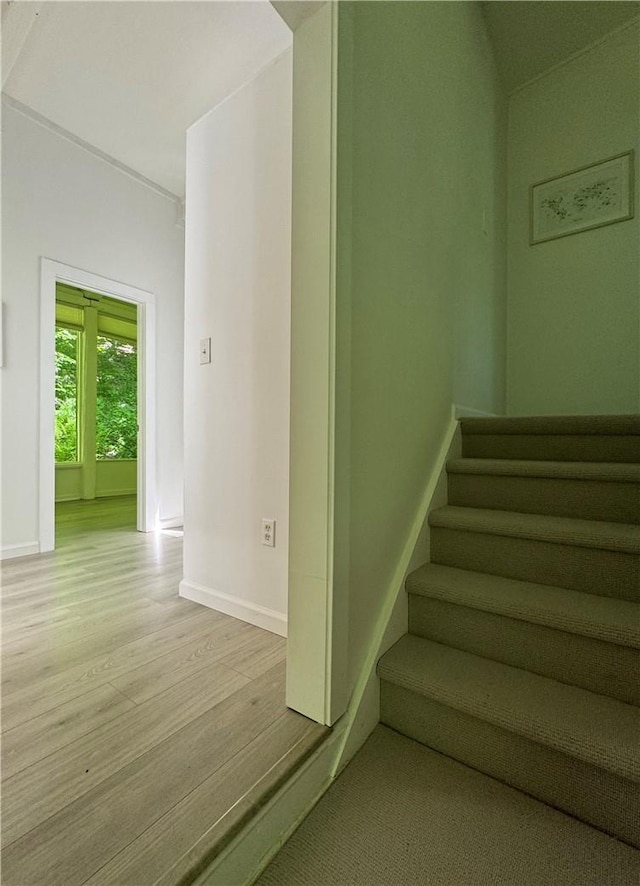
(139,730)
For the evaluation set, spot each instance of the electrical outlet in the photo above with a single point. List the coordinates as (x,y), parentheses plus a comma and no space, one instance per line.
(269,532)
(205,350)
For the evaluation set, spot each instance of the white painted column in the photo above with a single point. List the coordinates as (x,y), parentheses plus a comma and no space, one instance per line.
(316,659)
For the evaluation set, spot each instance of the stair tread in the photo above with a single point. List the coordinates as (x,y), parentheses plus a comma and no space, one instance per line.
(594,728)
(616,472)
(623,537)
(603,618)
(554,424)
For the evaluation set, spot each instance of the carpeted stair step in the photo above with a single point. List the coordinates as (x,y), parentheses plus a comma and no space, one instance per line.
(585,555)
(401,814)
(589,490)
(564,745)
(582,639)
(603,618)
(589,438)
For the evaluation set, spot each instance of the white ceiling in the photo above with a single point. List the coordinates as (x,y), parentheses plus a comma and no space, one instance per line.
(295,12)
(531,37)
(130,77)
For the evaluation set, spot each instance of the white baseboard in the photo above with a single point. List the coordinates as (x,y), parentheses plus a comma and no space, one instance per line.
(23,550)
(101,493)
(245,610)
(171,522)
(249,854)
(459,411)
(113,493)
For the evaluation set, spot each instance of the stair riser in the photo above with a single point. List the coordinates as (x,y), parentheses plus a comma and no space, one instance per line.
(570,447)
(582,661)
(594,795)
(595,571)
(582,499)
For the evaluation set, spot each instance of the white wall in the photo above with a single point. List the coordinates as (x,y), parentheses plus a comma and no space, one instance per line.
(61,202)
(574,302)
(238,291)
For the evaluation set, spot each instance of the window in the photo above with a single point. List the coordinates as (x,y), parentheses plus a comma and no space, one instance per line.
(96,383)
(66,432)
(116,404)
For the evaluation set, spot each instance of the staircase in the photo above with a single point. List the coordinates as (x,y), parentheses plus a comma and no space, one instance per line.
(522,658)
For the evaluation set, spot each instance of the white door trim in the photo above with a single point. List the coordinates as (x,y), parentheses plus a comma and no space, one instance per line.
(52,272)
(317,667)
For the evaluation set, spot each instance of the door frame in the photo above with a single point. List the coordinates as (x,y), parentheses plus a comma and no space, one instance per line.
(51,273)
(318,600)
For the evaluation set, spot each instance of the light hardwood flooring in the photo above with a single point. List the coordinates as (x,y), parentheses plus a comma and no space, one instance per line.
(139,730)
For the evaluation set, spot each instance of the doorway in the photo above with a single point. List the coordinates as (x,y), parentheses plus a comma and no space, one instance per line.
(96,417)
(88,320)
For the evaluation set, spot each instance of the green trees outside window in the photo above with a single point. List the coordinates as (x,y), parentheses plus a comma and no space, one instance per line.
(66,435)
(116,397)
(116,406)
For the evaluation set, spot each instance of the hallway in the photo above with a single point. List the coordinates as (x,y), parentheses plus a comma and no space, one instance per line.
(135,724)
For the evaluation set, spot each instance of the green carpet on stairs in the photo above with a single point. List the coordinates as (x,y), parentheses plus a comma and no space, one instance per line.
(404,815)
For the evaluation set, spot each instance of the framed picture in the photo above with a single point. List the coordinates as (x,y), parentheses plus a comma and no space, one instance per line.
(589,197)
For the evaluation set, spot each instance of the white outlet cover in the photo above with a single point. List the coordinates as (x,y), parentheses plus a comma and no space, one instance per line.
(269,532)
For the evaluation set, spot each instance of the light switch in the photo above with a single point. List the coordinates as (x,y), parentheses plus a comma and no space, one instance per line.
(205,350)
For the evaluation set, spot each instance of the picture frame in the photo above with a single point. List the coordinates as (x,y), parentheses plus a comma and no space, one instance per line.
(589,197)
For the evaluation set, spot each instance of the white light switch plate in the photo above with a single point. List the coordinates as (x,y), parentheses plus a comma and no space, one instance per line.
(205,350)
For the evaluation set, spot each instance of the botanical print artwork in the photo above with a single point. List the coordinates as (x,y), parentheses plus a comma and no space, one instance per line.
(587,203)
(584,199)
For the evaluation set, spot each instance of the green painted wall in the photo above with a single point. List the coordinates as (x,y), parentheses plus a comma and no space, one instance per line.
(117,477)
(420,285)
(573,303)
